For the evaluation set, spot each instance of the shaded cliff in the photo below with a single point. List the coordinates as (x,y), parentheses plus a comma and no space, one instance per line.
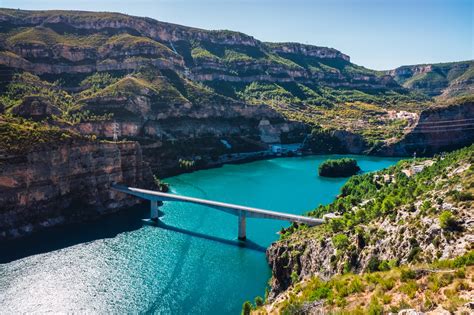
(65,183)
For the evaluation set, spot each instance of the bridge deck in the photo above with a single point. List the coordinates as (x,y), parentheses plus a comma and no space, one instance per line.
(227,207)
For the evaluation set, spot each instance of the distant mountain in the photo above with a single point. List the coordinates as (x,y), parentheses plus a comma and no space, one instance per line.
(442,79)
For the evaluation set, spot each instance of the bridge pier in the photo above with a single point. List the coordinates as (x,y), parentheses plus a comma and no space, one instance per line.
(154,210)
(242,225)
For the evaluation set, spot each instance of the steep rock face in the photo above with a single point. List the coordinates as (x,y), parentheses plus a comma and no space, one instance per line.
(88,21)
(41,67)
(438,129)
(307,50)
(36,108)
(69,183)
(164,142)
(353,143)
(311,257)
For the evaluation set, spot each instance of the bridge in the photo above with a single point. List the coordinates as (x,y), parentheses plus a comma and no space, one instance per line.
(242,212)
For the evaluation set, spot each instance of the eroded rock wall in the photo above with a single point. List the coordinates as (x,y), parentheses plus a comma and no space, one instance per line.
(69,183)
(438,129)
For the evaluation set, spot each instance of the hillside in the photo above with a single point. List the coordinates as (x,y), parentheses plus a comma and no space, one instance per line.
(86,53)
(92,69)
(443,80)
(96,59)
(390,233)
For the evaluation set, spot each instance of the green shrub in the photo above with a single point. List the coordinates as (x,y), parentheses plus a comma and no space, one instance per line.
(356,285)
(258,301)
(384,266)
(447,221)
(407,274)
(373,264)
(246,308)
(320,293)
(294,277)
(414,252)
(409,288)
(374,307)
(340,241)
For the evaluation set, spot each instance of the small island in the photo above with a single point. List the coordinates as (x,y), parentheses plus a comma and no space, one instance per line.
(338,168)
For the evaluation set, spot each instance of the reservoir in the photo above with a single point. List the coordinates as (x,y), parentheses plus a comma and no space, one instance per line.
(191,264)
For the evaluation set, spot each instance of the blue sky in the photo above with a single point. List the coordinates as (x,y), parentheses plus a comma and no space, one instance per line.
(378,34)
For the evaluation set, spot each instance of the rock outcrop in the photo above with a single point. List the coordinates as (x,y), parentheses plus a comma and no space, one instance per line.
(68,183)
(36,108)
(438,129)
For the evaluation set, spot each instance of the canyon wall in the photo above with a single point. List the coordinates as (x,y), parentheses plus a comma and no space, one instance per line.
(68,183)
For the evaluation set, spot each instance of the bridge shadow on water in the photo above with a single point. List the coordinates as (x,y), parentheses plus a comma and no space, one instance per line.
(108,226)
(248,244)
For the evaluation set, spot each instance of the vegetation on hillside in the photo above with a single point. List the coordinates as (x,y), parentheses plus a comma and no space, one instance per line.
(384,196)
(328,94)
(397,238)
(19,135)
(444,283)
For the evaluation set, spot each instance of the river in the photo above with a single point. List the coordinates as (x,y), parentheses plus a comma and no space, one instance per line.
(191,264)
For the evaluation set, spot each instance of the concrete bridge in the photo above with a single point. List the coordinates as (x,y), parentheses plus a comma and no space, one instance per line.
(242,212)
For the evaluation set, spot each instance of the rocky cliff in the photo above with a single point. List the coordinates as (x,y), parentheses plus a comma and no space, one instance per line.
(143,74)
(419,211)
(66,183)
(441,128)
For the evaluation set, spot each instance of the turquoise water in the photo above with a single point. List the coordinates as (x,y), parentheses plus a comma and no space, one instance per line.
(193,263)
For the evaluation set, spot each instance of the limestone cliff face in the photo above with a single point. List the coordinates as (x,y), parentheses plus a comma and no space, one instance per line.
(57,42)
(311,257)
(164,142)
(307,50)
(114,21)
(438,129)
(68,183)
